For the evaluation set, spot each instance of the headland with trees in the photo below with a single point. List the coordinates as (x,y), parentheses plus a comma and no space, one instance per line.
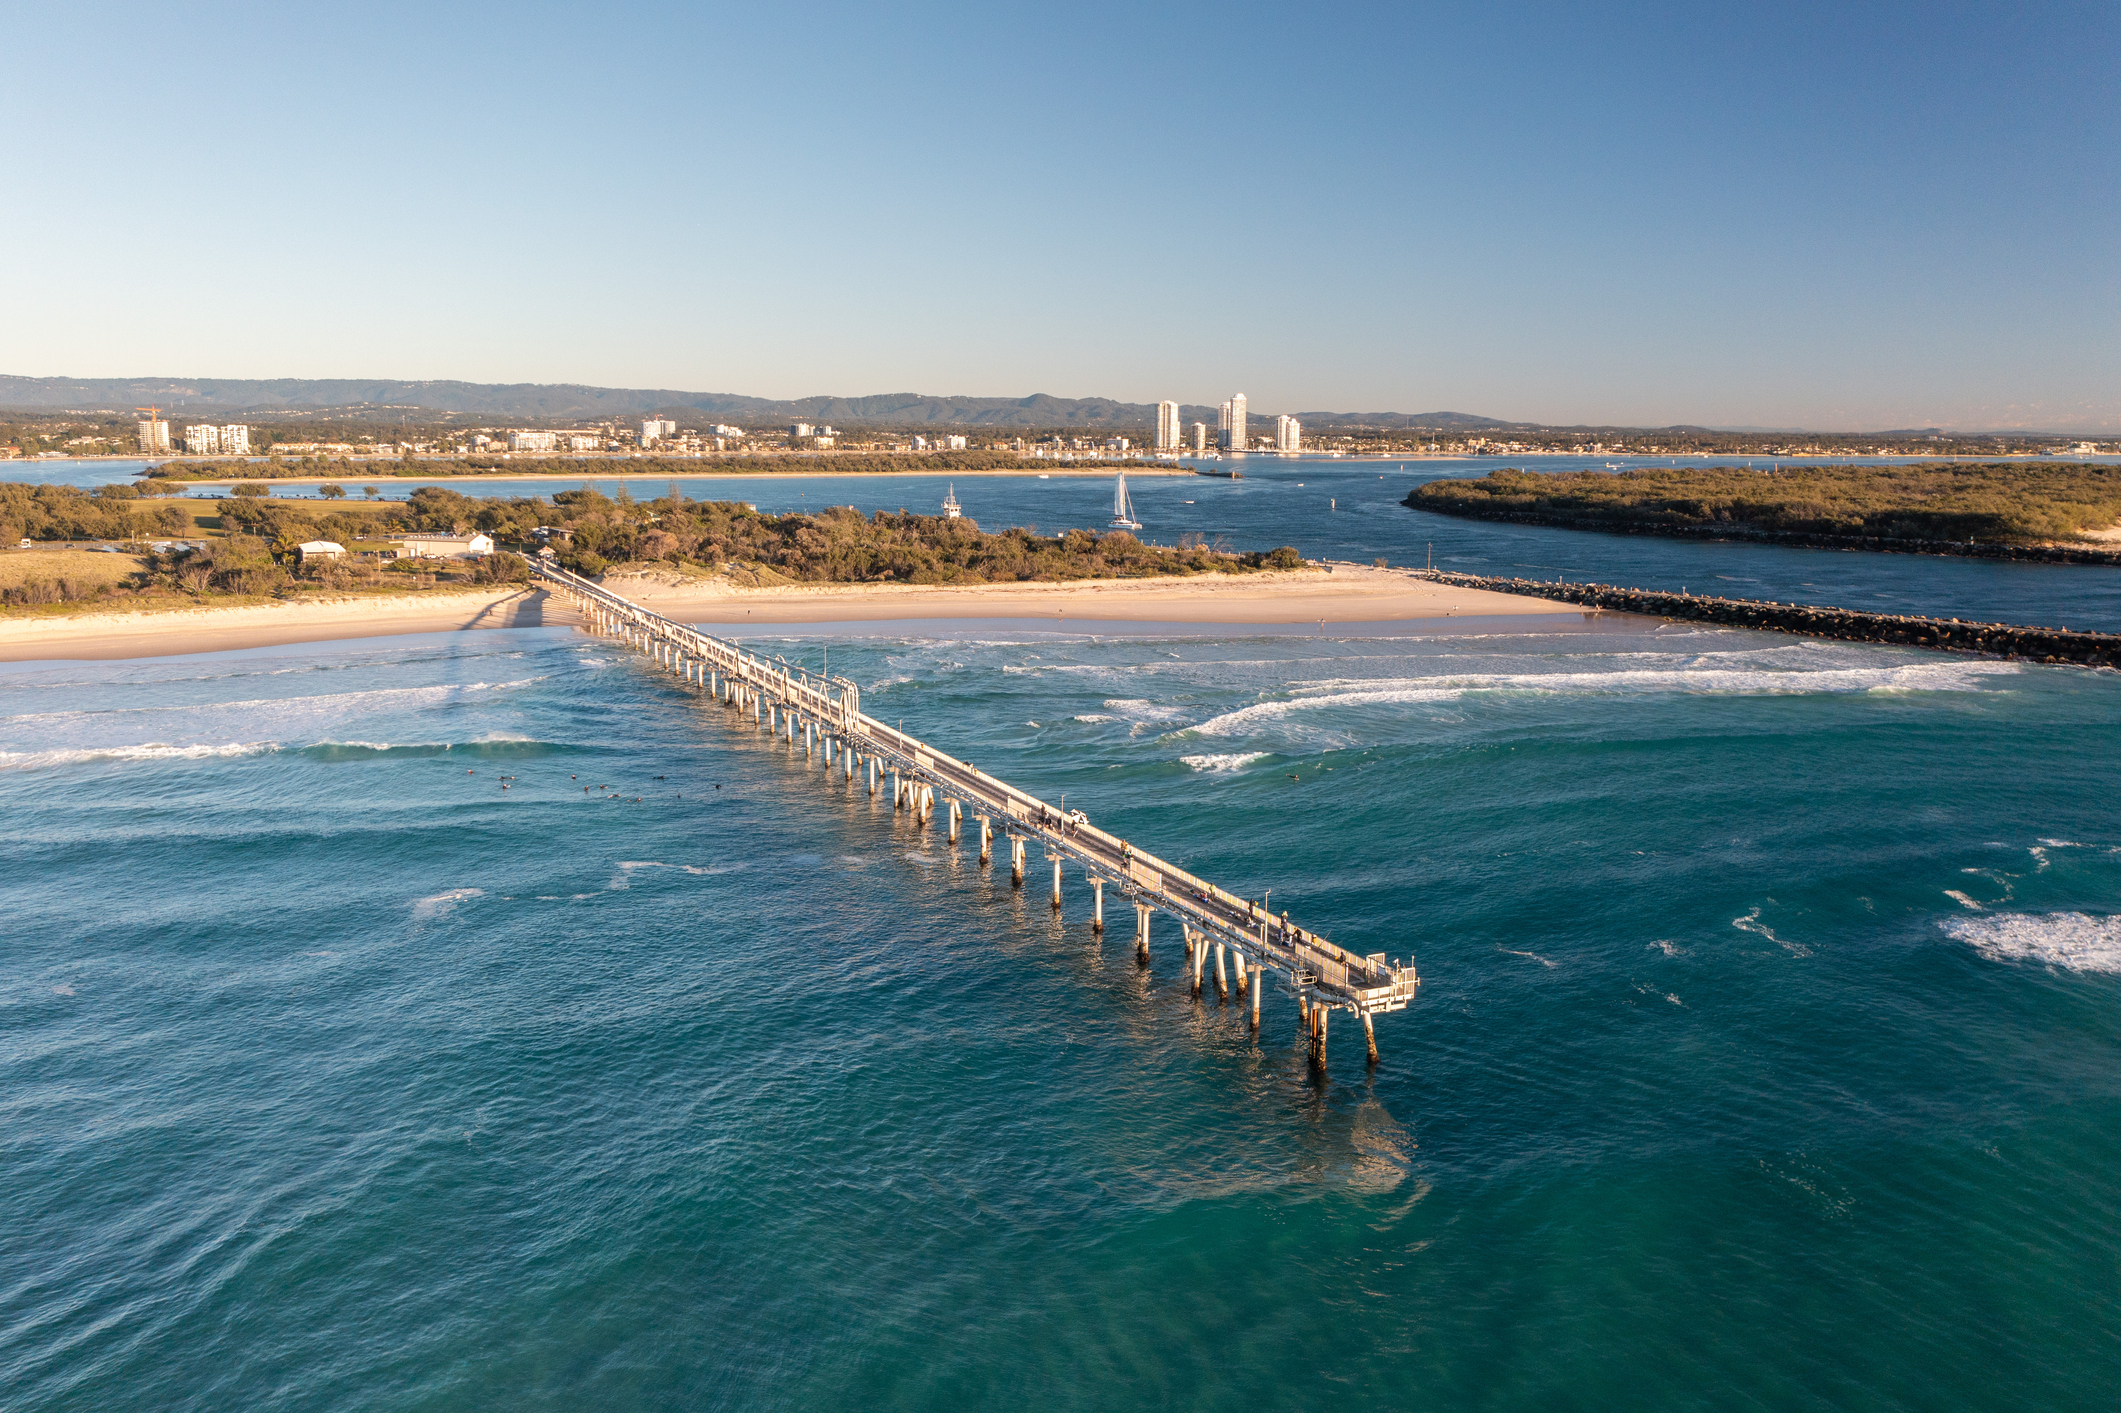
(2045,510)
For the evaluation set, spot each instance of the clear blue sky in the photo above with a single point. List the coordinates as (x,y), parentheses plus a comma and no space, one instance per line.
(1846,215)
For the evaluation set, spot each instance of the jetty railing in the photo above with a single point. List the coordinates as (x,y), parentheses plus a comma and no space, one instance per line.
(781,698)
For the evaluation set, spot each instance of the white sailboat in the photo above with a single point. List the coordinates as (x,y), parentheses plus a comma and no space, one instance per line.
(1123,506)
(951,509)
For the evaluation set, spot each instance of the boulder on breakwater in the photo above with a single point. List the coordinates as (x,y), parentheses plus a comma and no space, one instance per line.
(2059,645)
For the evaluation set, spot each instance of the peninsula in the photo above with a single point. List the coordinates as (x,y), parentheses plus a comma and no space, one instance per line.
(2043,510)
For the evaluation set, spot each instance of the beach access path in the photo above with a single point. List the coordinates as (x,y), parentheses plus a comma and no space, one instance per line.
(1346,594)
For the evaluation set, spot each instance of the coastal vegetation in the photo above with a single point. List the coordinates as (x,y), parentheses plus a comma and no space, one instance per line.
(1990,503)
(839,545)
(245,547)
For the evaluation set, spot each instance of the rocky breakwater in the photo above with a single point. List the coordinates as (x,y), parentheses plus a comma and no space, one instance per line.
(2059,645)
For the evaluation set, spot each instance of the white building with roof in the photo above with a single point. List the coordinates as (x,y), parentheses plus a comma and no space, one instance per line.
(434,545)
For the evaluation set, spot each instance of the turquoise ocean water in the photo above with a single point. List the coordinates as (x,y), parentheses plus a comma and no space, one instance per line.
(1768,1052)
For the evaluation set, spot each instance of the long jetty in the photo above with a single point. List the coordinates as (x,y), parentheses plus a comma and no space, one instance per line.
(784,700)
(2056,645)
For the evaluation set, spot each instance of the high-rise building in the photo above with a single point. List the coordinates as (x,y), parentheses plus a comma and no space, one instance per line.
(154,435)
(202,441)
(1233,424)
(1200,438)
(655,428)
(532,441)
(1167,426)
(801,429)
(1288,434)
(235,439)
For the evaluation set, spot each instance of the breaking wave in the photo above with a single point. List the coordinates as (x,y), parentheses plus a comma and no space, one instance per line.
(2069,941)
(1718,680)
(1236,760)
(36,760)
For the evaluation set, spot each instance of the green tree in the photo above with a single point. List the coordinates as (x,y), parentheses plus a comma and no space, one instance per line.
(331,492)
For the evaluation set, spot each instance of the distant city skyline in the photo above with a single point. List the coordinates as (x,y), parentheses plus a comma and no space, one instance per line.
(1805,215)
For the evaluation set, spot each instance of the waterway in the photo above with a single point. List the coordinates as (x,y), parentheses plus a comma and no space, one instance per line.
(1351,510)
(1768,1053)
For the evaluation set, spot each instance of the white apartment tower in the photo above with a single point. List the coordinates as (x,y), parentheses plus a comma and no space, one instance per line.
(235,439)
(1288,434)
(154,435)
(1233,424)
(1167,438)
(202,441)
(1200,438)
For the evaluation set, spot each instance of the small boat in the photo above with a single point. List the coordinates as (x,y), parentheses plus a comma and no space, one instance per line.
(1123,506)
(951,509)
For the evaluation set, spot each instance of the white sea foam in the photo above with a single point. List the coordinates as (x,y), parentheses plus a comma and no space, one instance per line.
(441,903)
(1236,760)
(62,990)
(1532,955)
(153,751)
(1667,946)
(1751,923)
(1737,678)
(630,866)
(2070,941)
(1094,716)
(1962,899)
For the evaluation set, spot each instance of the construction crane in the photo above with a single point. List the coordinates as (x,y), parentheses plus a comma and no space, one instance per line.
(154,414)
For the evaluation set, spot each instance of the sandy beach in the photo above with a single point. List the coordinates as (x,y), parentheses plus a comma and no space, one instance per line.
(1347,594)
(209,630)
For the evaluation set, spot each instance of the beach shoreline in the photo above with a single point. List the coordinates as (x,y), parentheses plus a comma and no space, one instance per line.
(1346,594)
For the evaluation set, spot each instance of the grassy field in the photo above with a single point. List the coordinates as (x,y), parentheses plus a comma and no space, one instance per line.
(1989,503)
(88,567)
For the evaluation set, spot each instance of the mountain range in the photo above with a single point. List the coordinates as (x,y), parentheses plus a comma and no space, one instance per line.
(396,398)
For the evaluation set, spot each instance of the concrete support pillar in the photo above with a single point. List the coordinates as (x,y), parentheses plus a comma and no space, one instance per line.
(925,810)
(847,762)
(986,838)
(1222,979)
(1258,977)
(1097,908)
(1056,883)
(957,813)
(1141,933)
(1369,1035)
(809,738)
(1196,953)
(872,775)
(898,791)
(1016,860)
(1237,961)
(1318,1036)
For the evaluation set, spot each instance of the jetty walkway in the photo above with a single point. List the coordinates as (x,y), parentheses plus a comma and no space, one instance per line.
(784,700)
